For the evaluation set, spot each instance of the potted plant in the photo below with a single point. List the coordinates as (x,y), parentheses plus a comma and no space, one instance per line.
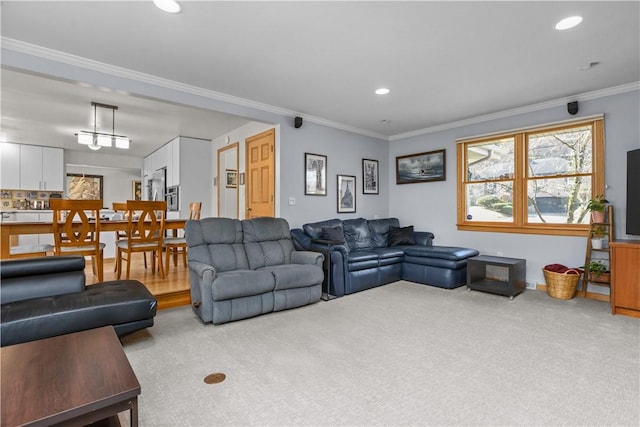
(597,237)
(596,205)
(598,272)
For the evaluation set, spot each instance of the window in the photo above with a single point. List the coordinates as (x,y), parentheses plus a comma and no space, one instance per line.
(531,181)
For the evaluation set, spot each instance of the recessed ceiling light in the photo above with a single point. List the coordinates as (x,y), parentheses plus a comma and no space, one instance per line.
(569,22)
(170,6)
(382,91)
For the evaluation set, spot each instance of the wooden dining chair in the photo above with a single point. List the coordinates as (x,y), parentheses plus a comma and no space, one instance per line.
(76,230)
(121,208)
(176,245)
(145,233)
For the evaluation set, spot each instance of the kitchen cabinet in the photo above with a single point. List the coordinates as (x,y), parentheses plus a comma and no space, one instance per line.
(9,166)
(146,167)
(41,168)
(173,166)
(35,239)
(188,163)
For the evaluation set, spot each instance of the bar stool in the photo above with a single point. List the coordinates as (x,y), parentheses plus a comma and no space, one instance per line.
(175,245)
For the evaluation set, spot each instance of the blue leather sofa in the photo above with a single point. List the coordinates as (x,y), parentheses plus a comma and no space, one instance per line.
(377,252)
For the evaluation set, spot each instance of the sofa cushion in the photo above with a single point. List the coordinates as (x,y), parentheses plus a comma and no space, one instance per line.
(379,229)
(314,229)
(450,253)
(357,234)
(358,256)
(267,241)
(401,236)
(216,242)
(241,283)
(334,233)
(295,275)
(386,253)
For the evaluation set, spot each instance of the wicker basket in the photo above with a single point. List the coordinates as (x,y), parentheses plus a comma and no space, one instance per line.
(561,285)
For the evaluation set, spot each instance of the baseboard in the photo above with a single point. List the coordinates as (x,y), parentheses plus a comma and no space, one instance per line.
(589,295)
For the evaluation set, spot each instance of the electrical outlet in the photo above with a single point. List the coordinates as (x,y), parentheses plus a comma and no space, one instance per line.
(499,253)
(292,201)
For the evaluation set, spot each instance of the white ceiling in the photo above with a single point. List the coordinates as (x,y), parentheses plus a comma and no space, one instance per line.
(442,61)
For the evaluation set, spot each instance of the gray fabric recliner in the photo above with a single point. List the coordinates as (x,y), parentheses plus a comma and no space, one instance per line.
(240,269)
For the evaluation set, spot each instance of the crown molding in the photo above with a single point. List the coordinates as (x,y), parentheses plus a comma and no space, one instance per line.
(101,67)
(601,93)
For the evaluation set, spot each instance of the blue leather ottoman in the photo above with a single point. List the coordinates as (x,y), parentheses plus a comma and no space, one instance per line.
(441,266)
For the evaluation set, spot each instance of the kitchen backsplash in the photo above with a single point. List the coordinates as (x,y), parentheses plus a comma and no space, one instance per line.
(25,199)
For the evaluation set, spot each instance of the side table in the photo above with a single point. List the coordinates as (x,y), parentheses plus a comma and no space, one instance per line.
(72,380)
(326,296)
(497,275)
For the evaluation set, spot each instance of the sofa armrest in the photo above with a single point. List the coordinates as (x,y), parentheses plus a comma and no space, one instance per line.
(205,272)
(31,278)
(423,238)
(307,257)
(301,241)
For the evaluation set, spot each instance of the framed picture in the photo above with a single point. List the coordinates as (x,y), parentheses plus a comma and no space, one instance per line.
(421,167)
(315,174)
(370,176)
(84,187)
(231,178)
(346,193)
(136,190)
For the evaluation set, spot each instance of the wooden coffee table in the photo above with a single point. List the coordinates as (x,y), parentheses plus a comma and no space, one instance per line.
(75,379)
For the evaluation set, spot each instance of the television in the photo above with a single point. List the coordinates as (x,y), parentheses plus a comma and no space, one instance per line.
(633,192)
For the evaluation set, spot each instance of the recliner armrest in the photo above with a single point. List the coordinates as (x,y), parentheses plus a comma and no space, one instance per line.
(307,257)
(30,278)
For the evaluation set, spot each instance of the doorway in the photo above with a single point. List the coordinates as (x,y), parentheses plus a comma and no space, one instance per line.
(228,180)
(260,177)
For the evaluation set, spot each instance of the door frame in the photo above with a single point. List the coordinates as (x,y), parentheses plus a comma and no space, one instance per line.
(221,179)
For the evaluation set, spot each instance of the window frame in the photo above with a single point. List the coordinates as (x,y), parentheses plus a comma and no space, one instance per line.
(521,179)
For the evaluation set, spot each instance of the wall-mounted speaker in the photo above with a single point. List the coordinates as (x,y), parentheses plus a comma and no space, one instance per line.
(297,122)
(572,107)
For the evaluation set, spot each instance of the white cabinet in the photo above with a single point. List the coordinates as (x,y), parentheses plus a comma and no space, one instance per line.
(146,167)
(35,239)
(173,166)
(41,168)
(52,169)
(9,166)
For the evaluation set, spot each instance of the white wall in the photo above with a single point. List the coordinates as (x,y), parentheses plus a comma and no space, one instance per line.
(432,206)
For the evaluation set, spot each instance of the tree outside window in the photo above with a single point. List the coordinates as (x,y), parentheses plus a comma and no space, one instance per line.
(533,181)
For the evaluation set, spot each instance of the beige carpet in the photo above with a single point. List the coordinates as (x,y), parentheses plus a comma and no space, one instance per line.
(400,354)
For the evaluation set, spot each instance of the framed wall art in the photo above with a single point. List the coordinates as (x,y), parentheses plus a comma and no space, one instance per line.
(136,190)
(421,167)
(346,193)
(370,176)
(315,174)
(84,187)
(231,178)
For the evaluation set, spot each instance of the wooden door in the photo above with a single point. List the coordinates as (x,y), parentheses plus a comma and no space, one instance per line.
(260,176)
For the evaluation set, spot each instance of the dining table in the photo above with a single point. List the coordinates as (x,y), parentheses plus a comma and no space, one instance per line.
(16,228)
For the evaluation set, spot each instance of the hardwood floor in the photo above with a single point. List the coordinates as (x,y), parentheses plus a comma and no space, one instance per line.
(172,291)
